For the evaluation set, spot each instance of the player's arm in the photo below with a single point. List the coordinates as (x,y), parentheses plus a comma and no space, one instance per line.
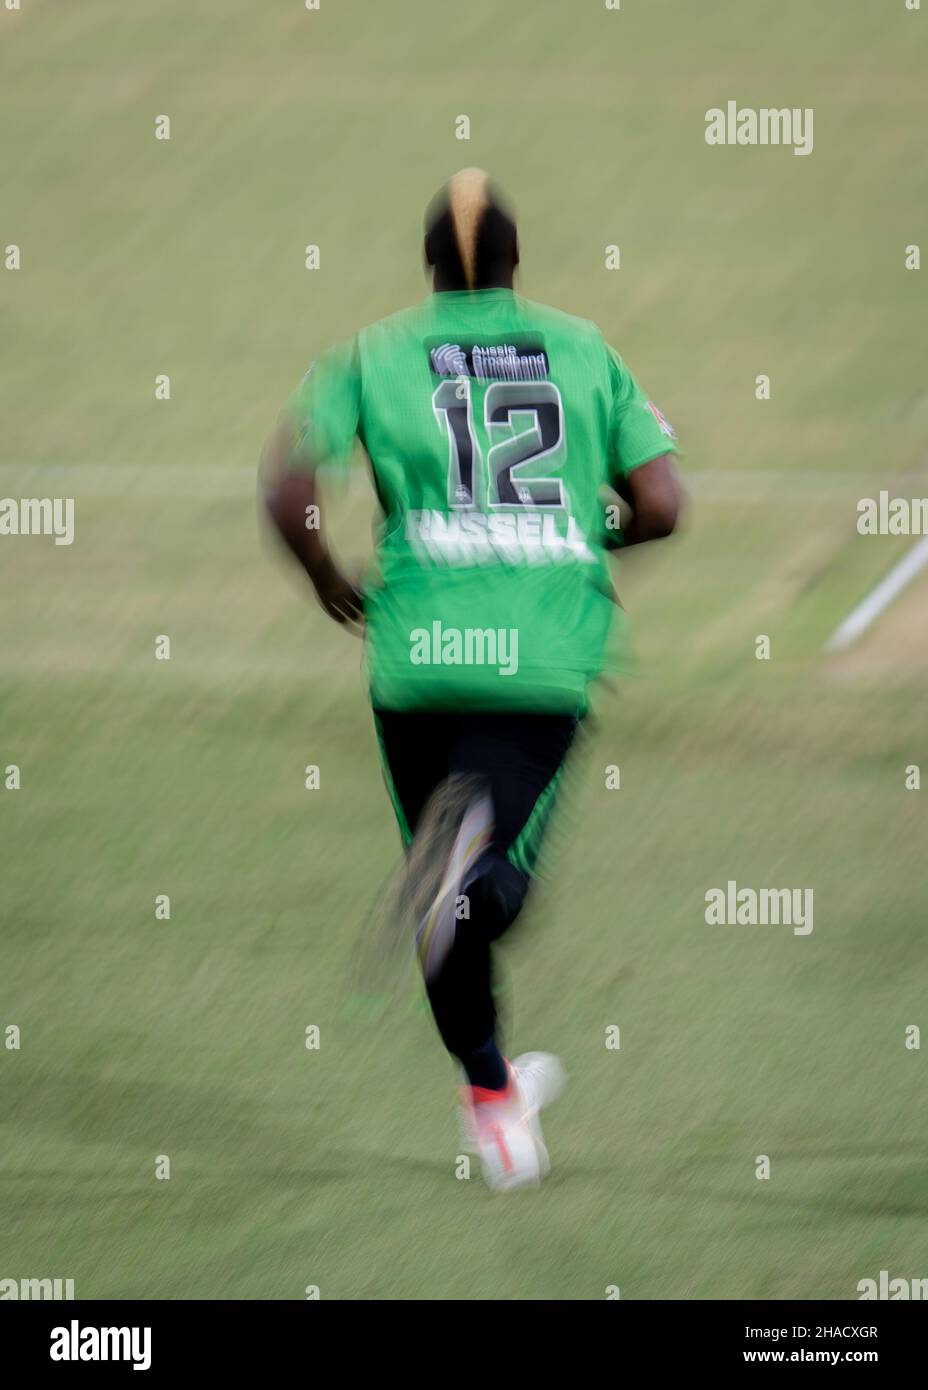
(641,467)
(653,492)
(291,497)
(318,427)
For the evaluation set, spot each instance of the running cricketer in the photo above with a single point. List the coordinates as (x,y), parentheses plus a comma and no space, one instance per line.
(492,425)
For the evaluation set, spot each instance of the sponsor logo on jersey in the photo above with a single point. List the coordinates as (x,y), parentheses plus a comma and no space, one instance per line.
(522,360)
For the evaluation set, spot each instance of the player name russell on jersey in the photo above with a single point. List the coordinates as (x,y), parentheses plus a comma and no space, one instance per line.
(514,538)
(525,360)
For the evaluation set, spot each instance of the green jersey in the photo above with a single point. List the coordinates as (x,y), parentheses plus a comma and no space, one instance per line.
(492,424)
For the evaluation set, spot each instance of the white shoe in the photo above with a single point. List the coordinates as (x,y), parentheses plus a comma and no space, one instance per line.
(507,1133)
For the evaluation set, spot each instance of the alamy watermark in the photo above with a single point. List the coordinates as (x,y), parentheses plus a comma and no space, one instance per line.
(26,1290)
(766,125)
(892,516)
(38,516)
(751,907)
(892,1289)
(468,646)
(76,1343)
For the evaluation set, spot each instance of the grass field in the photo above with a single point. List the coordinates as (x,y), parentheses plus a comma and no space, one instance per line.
(185,1038)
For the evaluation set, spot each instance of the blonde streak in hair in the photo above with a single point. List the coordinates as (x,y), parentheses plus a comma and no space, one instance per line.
(467,202)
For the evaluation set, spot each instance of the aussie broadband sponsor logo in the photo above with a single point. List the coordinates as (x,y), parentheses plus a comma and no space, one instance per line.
(522,361)
(76,1343)
(469,537)
(29,1289)
(765,125)
(38,516)
(750,907)
(469,646)
(887,1288)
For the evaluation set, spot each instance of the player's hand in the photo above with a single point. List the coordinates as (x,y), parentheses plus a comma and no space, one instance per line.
(338,596)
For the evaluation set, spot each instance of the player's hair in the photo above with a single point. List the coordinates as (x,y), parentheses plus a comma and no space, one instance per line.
(470,237)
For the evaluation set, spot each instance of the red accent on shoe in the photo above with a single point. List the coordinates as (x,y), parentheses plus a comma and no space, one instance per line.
(482,1095)
(498,1138)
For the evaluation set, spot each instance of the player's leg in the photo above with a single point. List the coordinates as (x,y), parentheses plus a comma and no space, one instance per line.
(439,770)
(414,758)
(442,834)
(473,794)
(519,759)
(414,762)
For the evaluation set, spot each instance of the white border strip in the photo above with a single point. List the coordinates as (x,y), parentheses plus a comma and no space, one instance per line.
(879,598)
(168,480)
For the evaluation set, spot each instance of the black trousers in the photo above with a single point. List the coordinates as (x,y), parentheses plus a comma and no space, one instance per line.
(519,758)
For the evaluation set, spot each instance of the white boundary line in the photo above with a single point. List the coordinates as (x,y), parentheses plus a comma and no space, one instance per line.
(879,598)
(176,481)
(180,481)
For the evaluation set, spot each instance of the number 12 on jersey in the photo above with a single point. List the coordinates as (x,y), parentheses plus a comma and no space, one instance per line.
(515,445)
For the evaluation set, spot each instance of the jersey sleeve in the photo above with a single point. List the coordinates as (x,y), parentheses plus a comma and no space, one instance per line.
(325,408)
(638,431)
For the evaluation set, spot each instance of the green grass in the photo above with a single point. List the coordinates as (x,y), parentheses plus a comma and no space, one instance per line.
(139,1038)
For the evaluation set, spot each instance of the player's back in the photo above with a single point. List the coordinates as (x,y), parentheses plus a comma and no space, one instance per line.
(492,424)
(481,400)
